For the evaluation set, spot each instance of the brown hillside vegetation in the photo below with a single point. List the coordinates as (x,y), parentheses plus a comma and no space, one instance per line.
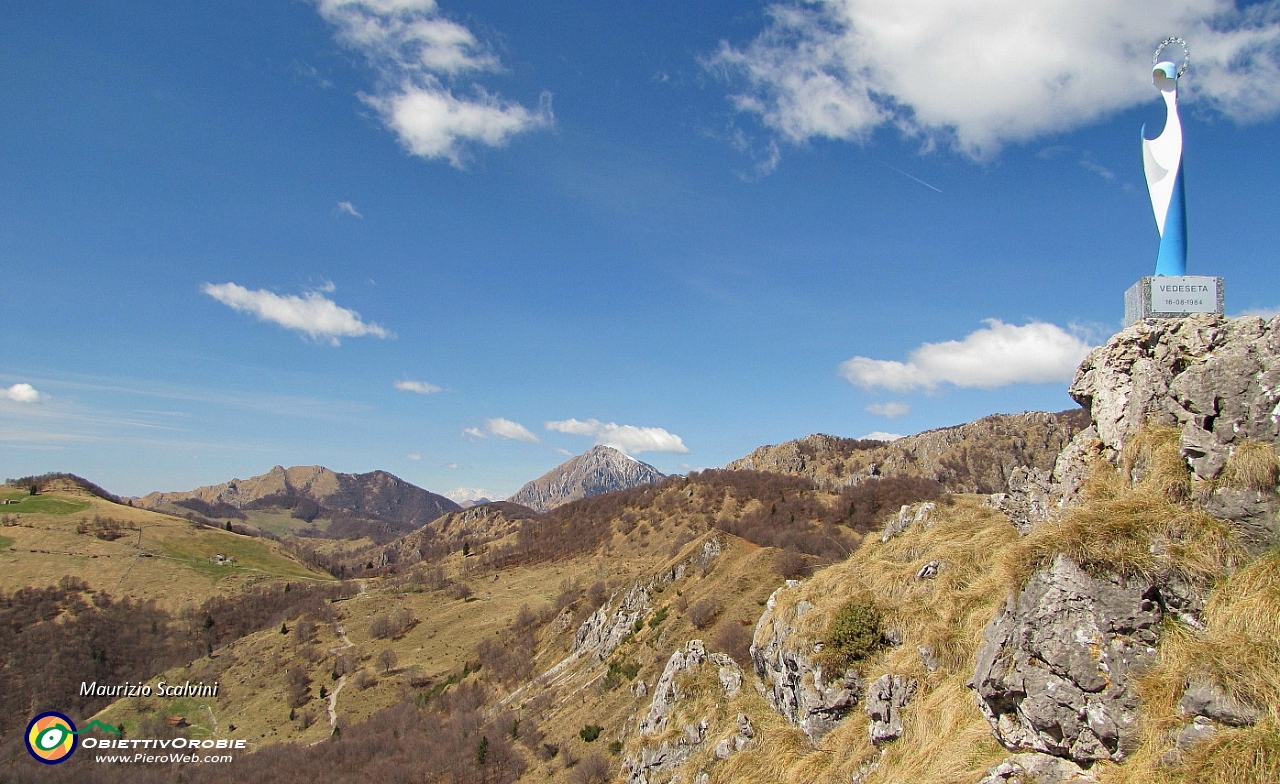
(313,500)
(131,552)
(538,654)
(976,457)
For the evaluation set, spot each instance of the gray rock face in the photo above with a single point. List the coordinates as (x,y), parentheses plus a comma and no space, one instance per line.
(1029,498)
(1056,668)
(1216,379)
(666,693)
(1036,768)
(601,469)
(1251,513)
(1211,702)
(655,761)
(907,516)
(738,741)
(606,628)
(795,685)
(885,699)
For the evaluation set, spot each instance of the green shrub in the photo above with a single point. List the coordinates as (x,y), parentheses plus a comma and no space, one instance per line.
(658,617)
(853,633)
(590,732)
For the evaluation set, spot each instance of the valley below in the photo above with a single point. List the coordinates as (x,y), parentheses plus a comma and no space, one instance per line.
(1087,596)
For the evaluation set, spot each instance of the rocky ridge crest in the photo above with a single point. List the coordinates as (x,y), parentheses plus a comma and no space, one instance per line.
(601,469)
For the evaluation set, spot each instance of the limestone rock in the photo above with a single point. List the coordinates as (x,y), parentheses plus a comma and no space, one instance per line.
(1214,378)
(667,690)
(667,756)
(928,658)
(795,685)
(1199,729)
(1029,497)
(606,628)
(1207,700)
(929,571)
(1056,668)
(1036,768)
(1251,513)
(885,700)
(907,516)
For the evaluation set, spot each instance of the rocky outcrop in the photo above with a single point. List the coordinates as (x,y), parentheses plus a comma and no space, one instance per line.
(1217,379)
(1209,701)
(1056,669)
(977,457)
(738,741)
(1029,499)
(794,683)
(885,700)
(907,516)
(606,628)
(655,760)
(601,469)
(667,691)
(1036,768)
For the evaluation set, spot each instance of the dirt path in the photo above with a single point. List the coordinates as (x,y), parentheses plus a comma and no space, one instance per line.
(342,680)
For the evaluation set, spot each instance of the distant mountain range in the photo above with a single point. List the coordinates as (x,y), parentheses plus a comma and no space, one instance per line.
(601,469)
(976,457)
(376,504)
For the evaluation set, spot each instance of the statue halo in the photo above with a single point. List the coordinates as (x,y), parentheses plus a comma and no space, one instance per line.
(1186,54)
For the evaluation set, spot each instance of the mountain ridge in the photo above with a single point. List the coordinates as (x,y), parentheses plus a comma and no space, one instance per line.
(376,495)
(601,469)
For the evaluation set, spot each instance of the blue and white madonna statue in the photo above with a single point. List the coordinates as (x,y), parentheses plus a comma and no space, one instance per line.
(1162,163)
(1171,292)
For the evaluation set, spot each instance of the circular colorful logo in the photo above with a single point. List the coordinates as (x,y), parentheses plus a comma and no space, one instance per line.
(51,737)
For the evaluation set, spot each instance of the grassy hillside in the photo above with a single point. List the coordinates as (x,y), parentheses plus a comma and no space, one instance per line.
(127,551)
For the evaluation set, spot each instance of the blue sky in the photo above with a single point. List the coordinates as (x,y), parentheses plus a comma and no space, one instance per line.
(459,241)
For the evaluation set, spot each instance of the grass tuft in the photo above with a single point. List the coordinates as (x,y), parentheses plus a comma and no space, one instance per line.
(1252,466)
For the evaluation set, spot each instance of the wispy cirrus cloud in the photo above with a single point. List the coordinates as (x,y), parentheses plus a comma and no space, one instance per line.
(995,356)
(417,387)
(347,208)
(426,68)
(626,438)
(840,69)
(313,314)
(890,410)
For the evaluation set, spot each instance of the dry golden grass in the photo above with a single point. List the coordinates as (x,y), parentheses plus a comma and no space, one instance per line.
(1252,466)
(160,557)
(1152,460)
(946,738)
(1136,520)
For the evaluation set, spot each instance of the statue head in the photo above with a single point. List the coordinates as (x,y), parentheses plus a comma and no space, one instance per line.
(1165,76)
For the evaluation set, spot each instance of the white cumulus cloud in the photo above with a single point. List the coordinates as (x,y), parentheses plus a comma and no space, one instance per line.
(880,435)
(892,410)
(995,356)
(626,438)
(978,75)
(23,393)
(417,387)
(505,428)
(421,57)
(312,313)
